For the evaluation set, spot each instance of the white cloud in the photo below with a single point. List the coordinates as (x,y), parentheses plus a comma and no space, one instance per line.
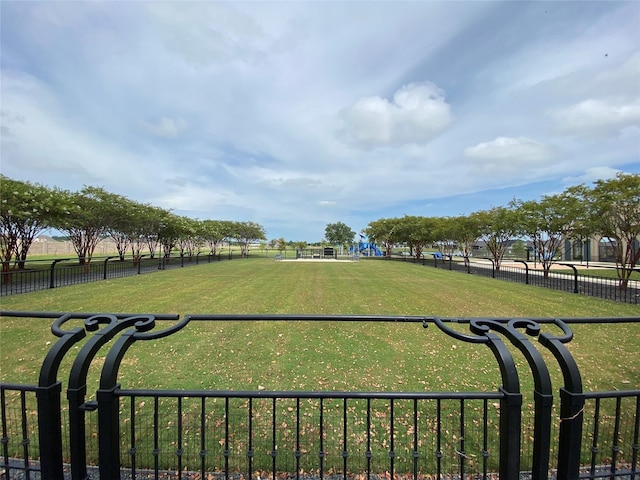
(166,127)
(505,150)
(507,160)
(54,147)
(417,114)
(297,114)
(205,34)
(597,117)
(591,175)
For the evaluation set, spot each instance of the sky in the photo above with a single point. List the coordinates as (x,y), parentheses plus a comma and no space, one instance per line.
(295,115)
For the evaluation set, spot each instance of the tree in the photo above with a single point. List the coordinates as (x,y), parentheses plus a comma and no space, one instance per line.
(187,234)
(122,214)
(213,233)
(547,222)
(87,220)
(497,226)
(247,232)
(583,228)
(519,249)
(162,229)
(383,232)
(338,234)
(138,229)
(417,232)
(299,245)
(466,230)
(613,209)
(280,244)
(26,210)
(444,235)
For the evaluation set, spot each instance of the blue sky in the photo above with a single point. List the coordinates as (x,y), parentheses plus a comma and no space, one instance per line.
(299,114)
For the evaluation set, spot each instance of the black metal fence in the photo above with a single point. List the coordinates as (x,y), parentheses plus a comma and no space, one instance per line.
(61,272)
(569,281)
(118,432)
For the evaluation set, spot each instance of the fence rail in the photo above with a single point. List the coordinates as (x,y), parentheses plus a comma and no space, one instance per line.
(62,272)
(570,281)
(117,432)
(47,274)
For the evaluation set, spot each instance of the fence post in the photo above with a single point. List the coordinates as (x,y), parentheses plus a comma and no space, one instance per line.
(107,399)
(510,410)
(49,403)
(511,401)
(571,403)
(77,388)
(493,267)
(104,277)
(542,393)
(526,271)
(140,261)
(52,283)
(575,276)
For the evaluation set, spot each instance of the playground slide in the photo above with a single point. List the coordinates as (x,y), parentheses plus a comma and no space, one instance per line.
(369,249)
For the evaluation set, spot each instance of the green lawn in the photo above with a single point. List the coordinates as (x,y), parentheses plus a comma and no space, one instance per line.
(605,273)
(303,355)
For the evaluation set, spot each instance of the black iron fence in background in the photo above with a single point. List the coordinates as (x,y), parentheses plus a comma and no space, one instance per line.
(62,272)
(46,274)
(117,432)
(520,271)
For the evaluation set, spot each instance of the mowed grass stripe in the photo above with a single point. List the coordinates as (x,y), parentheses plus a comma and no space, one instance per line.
(319,356)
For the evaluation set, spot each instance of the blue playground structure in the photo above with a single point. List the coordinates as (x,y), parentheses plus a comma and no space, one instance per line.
(365,248)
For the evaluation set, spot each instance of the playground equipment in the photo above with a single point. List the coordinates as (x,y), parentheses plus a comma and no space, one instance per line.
(366,248)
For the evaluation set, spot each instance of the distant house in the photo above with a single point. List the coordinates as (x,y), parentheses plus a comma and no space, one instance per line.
(596,249)
(515,248)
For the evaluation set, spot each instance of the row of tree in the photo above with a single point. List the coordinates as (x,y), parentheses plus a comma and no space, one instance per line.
(92,214)
(610,209)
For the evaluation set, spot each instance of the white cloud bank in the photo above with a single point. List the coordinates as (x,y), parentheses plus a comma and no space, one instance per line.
(505,152)
(166,127)
(417,114)
(297,114)
(597,117)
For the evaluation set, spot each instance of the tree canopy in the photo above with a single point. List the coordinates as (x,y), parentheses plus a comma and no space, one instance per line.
(26,210)
(88,216)
(246,233)
(547,222)
(339,234)
(610,209)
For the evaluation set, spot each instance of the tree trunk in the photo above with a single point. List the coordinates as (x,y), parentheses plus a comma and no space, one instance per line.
(7,274)
(623,283)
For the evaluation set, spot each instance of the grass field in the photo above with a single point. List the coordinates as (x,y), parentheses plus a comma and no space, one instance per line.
(301,355)
(318,356)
